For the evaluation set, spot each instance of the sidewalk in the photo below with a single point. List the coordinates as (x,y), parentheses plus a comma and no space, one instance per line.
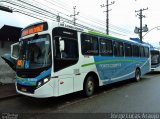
(7,91)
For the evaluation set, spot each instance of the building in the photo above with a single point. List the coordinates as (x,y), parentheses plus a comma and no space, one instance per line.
(8,36)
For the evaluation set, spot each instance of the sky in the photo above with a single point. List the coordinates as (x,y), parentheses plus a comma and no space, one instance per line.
(122,15)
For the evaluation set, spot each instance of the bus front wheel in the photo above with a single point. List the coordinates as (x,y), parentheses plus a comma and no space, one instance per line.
(137,75)
(89,86)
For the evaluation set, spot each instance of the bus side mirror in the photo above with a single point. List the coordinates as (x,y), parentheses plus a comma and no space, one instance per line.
(10,61)
(62,45)
(15,51)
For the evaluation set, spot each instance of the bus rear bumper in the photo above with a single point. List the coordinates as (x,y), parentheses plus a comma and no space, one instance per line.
(44,91)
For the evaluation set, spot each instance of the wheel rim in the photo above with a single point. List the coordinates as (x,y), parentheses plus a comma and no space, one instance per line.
(90,86)
(137,75)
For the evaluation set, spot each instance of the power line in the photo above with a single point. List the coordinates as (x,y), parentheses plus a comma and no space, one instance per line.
(95,21)
(38,10)
(111,26)
(87,18)
(30,12)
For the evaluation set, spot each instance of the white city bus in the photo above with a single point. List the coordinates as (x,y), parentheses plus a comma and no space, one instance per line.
(55,59)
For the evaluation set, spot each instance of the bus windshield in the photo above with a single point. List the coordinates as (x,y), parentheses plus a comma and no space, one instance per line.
(35,52)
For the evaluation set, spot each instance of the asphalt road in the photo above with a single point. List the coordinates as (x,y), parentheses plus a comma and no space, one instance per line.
(123,97)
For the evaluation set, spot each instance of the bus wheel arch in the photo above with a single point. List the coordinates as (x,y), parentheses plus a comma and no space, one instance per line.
(137,74)
(90,83)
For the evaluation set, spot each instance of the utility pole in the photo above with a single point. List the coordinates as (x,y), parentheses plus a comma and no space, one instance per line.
(107,14)
(144,29)
(74,15)
(58,18)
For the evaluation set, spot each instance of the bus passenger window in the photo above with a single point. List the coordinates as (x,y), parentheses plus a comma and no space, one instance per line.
(141,50)
(128,50)
(89,45)
(106,47)
(135,51)
(146,50)
(118,49)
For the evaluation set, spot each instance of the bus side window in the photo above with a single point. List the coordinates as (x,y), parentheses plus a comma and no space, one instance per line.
(89,45)
(128,50)
(146,50)
(106,48)
(135,51)
(141,50)
(118,49)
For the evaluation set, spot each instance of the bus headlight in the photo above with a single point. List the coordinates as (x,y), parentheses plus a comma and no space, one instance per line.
(46,80)
(42,82)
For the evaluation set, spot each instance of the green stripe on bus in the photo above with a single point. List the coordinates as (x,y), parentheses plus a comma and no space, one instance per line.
(101,34)
(110,61)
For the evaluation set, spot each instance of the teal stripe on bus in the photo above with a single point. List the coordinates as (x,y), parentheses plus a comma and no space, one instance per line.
(110,61)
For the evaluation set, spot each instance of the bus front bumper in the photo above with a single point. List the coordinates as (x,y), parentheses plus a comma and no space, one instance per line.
(44,91)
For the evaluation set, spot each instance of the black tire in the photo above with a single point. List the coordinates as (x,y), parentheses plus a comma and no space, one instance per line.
(89,86)
(137,75)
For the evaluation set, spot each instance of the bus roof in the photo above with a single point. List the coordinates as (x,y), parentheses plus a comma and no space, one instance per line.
(83,30)
(115,38)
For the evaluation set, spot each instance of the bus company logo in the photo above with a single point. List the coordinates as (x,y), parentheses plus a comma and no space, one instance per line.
(110,66)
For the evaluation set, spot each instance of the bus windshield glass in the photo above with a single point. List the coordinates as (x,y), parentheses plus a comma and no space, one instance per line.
(35,52)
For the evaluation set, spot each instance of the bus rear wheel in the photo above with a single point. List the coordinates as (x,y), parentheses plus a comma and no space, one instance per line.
(137,75)
(89,86)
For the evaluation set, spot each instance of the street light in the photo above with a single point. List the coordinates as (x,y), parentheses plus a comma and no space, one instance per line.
(6,9)
(140,30)
(151,30)
(145,28)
